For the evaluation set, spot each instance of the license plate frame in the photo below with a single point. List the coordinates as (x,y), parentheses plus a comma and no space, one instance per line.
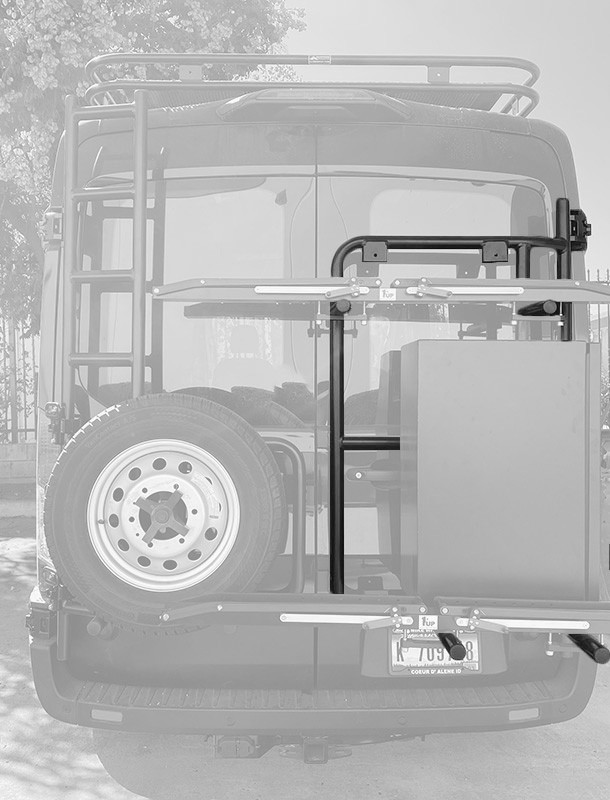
(426,656)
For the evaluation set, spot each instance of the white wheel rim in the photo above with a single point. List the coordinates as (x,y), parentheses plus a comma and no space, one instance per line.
(163,515)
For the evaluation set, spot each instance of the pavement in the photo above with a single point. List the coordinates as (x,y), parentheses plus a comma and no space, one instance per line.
(43,759)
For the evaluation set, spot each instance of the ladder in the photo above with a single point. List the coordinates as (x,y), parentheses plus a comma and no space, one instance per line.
(74,277)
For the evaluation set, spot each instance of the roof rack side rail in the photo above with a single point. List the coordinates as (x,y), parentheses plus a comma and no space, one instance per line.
(189,67)
(264,59)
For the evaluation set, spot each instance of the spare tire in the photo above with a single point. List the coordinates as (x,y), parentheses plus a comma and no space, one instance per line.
(160,501)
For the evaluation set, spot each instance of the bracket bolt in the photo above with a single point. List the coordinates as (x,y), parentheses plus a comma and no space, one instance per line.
(422,609)
(219,607)
(358,475)
(444,610)
(282,617)
(165,616)
(394,611)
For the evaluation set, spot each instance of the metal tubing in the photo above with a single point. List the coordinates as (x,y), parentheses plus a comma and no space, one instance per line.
(256,60)
(70,253)
(336,522)
(562,226)
(452,645)
(158,269)
(104,193)
(338,442)
(107,277)
(297,580)
(590,646)
(115,111)
(100,359)
(524,253)
(436,82)
(140,175)
(558,244)
(564,260)
(371,443)
(243,87)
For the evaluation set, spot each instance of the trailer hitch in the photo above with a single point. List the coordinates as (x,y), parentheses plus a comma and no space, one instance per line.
(315,750)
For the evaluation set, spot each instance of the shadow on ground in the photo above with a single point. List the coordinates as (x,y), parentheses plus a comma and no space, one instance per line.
(39,756)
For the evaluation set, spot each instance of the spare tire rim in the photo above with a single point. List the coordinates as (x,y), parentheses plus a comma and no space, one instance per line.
(163,515)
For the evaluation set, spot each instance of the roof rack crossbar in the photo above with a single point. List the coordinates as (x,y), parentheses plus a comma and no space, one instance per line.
(438,68)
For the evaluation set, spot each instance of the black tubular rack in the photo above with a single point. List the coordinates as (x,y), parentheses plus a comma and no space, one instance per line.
(571,235)
(183,78)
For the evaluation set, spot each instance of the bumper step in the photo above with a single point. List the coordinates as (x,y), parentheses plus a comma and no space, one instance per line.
(291,699)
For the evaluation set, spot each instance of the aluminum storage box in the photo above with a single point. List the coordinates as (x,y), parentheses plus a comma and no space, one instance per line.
(501,460)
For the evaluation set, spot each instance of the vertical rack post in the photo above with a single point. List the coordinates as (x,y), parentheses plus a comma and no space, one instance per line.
(564,259)
(336,455)
(562,227)
(70,251)
(140,203)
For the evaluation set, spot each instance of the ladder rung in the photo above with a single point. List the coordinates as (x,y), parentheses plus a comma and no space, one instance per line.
(103,193)
(101,359)
(104,112)
(106,276)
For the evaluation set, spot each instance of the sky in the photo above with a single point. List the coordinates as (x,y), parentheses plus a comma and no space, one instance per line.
(568,39)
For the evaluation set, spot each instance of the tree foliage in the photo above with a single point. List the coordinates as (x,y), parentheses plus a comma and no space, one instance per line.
(44,46)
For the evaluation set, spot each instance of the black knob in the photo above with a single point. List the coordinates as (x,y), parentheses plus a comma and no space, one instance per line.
(453,646)
(343,306)
(590,646)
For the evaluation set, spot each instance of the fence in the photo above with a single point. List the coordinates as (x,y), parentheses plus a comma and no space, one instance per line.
(18,383)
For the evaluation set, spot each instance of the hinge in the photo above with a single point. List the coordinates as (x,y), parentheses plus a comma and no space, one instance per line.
(580,230)
(53,226)
(41,622)
(55,413)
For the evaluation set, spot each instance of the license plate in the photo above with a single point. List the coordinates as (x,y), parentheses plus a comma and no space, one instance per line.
(418,653)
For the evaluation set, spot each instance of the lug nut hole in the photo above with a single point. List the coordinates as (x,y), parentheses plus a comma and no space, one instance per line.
(170,564)
(143,561)
(134,473)
(211,534)
(123,545)
(159,463)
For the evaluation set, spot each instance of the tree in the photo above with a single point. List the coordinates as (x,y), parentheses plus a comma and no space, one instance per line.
(44,46)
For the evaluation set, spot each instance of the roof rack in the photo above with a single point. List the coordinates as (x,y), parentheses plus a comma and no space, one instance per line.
(188,83)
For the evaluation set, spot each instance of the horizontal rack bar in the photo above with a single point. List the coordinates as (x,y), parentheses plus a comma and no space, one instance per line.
(262,59)
(371,442)
(438,74)
(124,276)
(114,111)
(100,359)
(102,193)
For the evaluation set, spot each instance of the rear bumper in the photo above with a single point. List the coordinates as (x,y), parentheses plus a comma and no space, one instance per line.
(374,712)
